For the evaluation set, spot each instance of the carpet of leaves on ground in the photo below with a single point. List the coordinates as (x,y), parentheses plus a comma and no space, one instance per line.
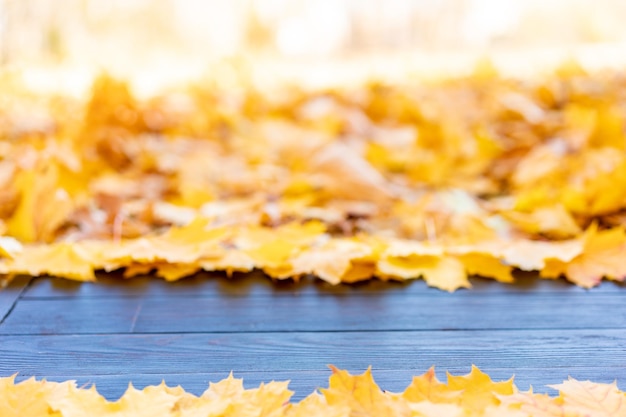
(440,181)
(474,394)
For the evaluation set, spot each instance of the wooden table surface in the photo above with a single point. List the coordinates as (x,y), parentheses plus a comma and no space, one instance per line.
(197,330)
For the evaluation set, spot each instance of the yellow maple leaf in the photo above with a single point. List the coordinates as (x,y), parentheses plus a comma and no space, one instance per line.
(174,272)
(487,266)
(427,387)
(274,250)
(81,402)
(478,390)
(428,409)
(359,271)
(270,399)
(602,256)
(531,255)
(554,221)
(316,405)
(333,260)
(59,259)
(273,254)
(361,395)
(44,205)
(159,400)
(231,261)
(151,401)
(228,387)
(29,398)
(142,250)
(443,272)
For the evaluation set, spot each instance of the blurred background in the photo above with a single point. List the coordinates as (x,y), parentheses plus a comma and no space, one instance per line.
(185,36)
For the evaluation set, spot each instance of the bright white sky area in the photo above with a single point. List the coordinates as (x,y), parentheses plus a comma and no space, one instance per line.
(160,35)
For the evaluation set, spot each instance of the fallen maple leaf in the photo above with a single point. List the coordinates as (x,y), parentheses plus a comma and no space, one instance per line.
(439,181)
(427,387)
(348,395)
(477,390)
(361,395)
(588,398)
(61,259)
(602,256)
(30,397)
(529,403)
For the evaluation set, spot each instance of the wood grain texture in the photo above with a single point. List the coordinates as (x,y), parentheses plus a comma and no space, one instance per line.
(315,313)
(198,330)
(175,353)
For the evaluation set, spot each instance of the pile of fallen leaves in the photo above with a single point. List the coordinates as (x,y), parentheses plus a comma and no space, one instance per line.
(474,394)
(477,175)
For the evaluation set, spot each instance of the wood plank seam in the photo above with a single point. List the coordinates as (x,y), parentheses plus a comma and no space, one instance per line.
(11,294)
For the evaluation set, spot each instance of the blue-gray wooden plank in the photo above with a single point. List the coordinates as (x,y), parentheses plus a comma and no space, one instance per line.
(197,330)
(322,312)
(10,293)
(189,353)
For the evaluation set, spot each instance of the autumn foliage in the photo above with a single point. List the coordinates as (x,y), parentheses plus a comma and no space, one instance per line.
(471,176)
(474,394)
